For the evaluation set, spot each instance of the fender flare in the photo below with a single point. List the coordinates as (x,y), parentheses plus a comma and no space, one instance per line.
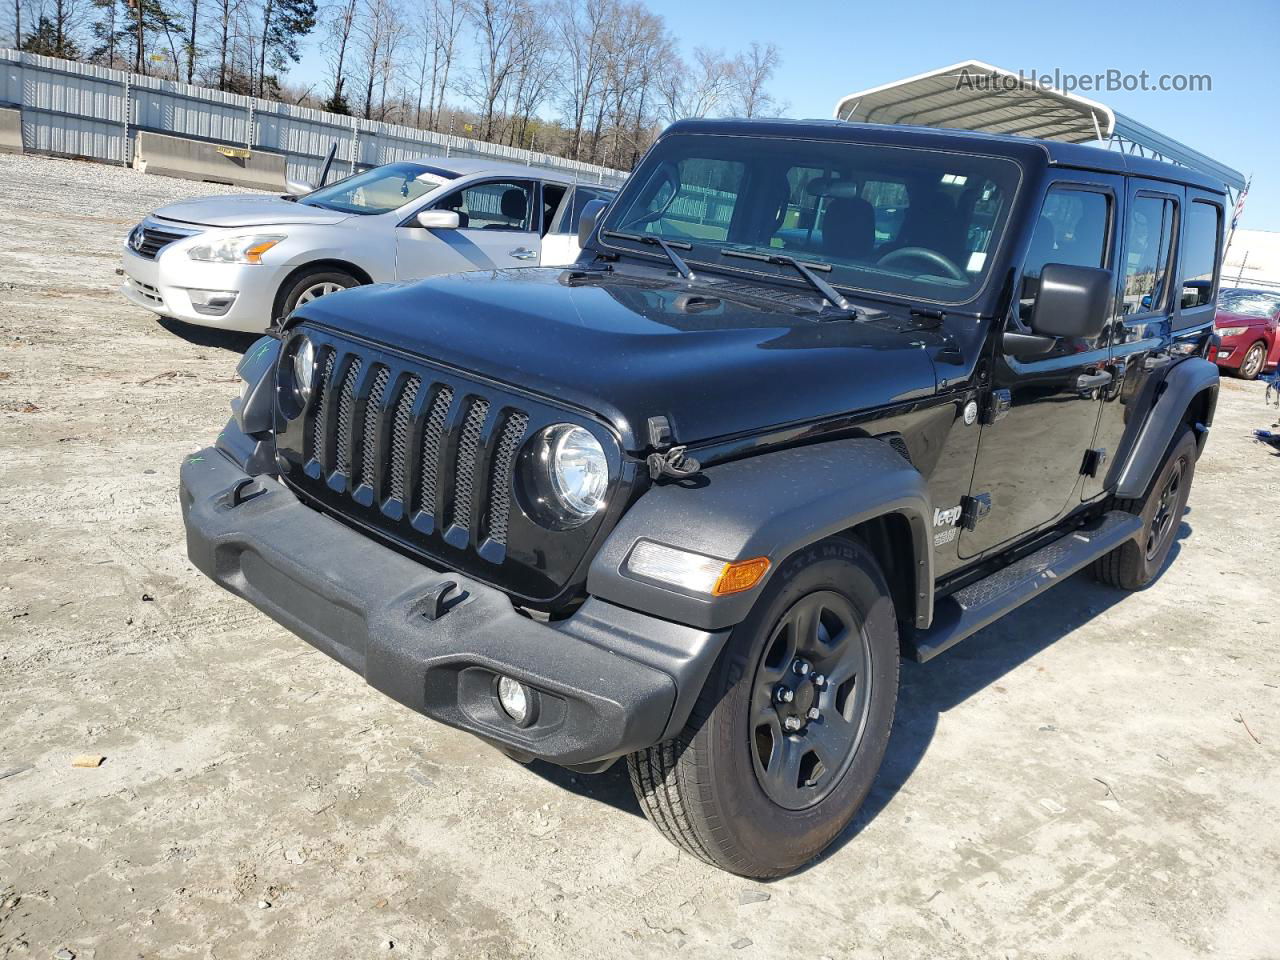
(768,505)
(1183,383)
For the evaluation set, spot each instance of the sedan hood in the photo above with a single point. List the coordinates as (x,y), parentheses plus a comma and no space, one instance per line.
(627,348)
(248,210)
(1238,320)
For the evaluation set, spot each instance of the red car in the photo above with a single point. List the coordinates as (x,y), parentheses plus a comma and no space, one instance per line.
(1248,324)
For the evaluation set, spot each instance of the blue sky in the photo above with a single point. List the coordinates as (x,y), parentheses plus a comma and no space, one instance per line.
(831,48)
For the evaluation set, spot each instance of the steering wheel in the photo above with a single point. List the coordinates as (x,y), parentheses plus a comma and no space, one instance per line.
(923,253)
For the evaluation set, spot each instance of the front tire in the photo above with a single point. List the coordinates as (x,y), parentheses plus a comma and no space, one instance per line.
(311,285)
(761,781)
(1254,360)
(1136,563)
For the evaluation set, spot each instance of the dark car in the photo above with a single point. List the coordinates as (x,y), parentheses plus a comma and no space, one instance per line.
(687,502)
(1248,328)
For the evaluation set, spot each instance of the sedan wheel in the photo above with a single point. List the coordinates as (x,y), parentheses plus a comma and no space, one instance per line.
(318,290)
(309,285)
(1252,363)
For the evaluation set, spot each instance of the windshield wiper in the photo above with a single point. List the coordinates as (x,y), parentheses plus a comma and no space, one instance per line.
(830,293)
(667,247)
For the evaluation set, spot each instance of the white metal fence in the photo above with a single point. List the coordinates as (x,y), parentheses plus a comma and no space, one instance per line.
(79,110)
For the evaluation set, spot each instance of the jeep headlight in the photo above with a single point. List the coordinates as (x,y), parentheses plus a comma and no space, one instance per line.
(565,475)
(304,368)
(242,249)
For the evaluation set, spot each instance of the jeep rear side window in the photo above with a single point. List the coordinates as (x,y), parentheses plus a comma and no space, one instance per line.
(1146,268)
(1200,253)
(1072,229)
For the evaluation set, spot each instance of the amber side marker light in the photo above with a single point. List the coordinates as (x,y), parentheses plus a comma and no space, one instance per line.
(694,572)
(741,576)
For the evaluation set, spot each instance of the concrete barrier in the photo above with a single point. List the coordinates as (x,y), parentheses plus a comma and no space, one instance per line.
(10,130)
(211,162)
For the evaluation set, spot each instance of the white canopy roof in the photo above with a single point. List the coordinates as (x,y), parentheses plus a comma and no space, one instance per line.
(972,95)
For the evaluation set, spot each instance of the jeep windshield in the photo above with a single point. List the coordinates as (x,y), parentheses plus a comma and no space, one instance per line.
(911,222)
(379,190)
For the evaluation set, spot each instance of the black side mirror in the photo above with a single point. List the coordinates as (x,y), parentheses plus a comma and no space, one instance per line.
(1073,302)
(587,221)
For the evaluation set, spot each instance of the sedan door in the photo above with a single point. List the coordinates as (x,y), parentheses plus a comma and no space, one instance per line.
(498,227)
(560,243)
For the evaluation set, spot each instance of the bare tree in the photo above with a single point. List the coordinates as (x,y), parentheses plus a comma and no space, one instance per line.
(378,37)
(434,45)
(496,23)
(536,70)
(751,71)
(697,89)
(341,19)
(581,27)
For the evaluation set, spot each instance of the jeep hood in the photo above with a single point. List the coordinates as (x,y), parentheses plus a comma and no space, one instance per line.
(628,349)
(248,210)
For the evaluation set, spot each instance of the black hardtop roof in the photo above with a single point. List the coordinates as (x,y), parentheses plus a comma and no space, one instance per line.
(1025,149)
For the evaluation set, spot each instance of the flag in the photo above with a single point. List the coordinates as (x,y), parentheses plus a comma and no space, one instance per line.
(1235,214)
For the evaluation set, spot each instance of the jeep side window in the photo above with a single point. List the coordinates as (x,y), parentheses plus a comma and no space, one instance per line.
(1072,229)
(1200,253)
(1146,268)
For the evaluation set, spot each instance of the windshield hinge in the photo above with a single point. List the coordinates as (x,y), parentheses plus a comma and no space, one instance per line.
(671,462)
(926,319)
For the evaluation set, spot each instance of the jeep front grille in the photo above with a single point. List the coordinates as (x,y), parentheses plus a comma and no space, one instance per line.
(435,459)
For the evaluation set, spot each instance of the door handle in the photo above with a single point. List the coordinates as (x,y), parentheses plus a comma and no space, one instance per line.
(523,253)
(1088,382)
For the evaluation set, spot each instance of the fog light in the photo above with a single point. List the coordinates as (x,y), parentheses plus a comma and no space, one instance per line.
(212,303)
(516,700)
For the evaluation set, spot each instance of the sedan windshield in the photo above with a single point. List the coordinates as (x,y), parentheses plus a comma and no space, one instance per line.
(379,190)
(1248,303)
(913,222)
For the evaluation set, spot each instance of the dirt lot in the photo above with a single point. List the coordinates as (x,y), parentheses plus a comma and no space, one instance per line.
(1075,781)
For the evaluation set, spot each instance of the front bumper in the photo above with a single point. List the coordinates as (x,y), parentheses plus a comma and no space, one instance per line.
(609,680)
(161,286)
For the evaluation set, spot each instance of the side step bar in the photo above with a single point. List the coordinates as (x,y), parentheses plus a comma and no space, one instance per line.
(967,611)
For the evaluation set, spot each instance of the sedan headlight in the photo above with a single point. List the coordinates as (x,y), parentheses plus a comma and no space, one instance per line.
(242,249)
(304,368)
(1230,331)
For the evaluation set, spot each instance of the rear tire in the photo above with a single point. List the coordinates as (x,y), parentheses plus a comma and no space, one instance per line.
(1136,563)
(311,285)
(757,786)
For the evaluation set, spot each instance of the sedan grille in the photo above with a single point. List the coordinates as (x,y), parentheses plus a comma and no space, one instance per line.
(154,240)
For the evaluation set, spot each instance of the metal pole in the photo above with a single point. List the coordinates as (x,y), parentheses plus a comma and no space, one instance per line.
(124,154)
(248,131)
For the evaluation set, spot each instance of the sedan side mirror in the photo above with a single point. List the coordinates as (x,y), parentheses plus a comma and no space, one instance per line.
(587,221)
(1073,302)
(298,188)
(438,219)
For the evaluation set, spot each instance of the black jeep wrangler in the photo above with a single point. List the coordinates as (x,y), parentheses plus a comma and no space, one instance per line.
(816,395)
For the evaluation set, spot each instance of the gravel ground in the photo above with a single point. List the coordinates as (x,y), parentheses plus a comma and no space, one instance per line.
(1096,775)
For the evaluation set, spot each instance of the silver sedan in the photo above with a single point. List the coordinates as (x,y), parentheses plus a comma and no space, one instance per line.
(242,262)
